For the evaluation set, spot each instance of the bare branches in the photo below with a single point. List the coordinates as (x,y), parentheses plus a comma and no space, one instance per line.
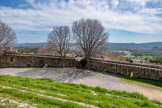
(91,37)
(60,38)
(7,35)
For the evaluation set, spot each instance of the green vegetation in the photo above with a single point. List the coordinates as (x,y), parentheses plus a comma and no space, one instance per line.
(129,60)
(28,50)
(6,105)
(137,57)
(57,70)
(45,93)
(141,80)
(83,62)
(156,60)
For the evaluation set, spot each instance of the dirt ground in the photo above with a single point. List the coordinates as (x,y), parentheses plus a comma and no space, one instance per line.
(86,77)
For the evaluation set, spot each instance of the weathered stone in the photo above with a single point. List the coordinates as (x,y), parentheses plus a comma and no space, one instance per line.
(11,59)
(126,69)
(8,49)
(21,60)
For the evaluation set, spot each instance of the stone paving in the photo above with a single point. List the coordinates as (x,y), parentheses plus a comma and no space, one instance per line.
(90,78)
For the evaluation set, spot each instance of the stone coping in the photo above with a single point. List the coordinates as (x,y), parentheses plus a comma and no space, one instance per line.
(37,55)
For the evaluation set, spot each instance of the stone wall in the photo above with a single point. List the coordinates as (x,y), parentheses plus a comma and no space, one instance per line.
(30,60)
(126,69)
(9,58)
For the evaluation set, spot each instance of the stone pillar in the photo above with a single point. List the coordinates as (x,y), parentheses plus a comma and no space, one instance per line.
(8,49)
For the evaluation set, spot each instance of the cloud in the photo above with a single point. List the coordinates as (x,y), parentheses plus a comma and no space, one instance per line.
(115,3)
(31,2)
(139,2)
(44,15)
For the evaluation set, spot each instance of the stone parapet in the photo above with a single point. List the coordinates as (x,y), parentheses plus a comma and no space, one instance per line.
(139,71)
(20,60)
(126,69)
(8,49)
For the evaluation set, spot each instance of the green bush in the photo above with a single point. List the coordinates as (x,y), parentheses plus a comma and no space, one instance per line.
(129,60)
(83,62)
(156,60)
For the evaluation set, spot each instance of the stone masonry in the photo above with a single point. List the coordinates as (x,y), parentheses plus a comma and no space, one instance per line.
(9,58)
(127,69)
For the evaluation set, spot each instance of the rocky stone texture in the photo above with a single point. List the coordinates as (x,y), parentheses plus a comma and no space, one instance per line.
(12,103)
(126,69)
(31,60)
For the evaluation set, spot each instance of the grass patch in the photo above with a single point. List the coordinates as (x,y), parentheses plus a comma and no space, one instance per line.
(157,102)
(71,92)
(141,80)
(57,70)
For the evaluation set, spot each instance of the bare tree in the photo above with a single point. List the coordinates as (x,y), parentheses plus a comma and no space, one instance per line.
(60,38)
(91,37)
(7,35)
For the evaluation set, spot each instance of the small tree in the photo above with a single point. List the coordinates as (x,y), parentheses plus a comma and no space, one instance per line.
(91,37)
(7,35)
(60,38)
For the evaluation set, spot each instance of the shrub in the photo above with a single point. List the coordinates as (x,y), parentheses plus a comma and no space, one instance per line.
(129,60)
(83,62)
(156,60)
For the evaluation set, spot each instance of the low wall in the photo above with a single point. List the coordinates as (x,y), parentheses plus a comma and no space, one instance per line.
(126,69)
(24,60)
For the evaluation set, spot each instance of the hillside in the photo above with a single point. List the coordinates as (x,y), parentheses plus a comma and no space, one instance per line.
(30,45)
(45,93)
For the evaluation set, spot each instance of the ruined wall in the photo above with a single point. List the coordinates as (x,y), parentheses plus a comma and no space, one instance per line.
(126,69)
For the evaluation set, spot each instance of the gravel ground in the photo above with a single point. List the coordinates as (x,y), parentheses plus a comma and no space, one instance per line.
(90,78)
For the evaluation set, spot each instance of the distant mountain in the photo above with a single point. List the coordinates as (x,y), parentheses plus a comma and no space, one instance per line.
(135,45)
(31,44)
(129,45)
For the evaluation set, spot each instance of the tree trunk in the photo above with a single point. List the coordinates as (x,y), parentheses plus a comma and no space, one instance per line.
(63,64)
(88,62)
(62,60)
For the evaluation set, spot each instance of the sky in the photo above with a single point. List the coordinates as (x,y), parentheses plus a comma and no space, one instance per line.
(137,21)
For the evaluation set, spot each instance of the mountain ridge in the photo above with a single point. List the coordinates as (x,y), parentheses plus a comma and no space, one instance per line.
(111,44)
(148,44)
